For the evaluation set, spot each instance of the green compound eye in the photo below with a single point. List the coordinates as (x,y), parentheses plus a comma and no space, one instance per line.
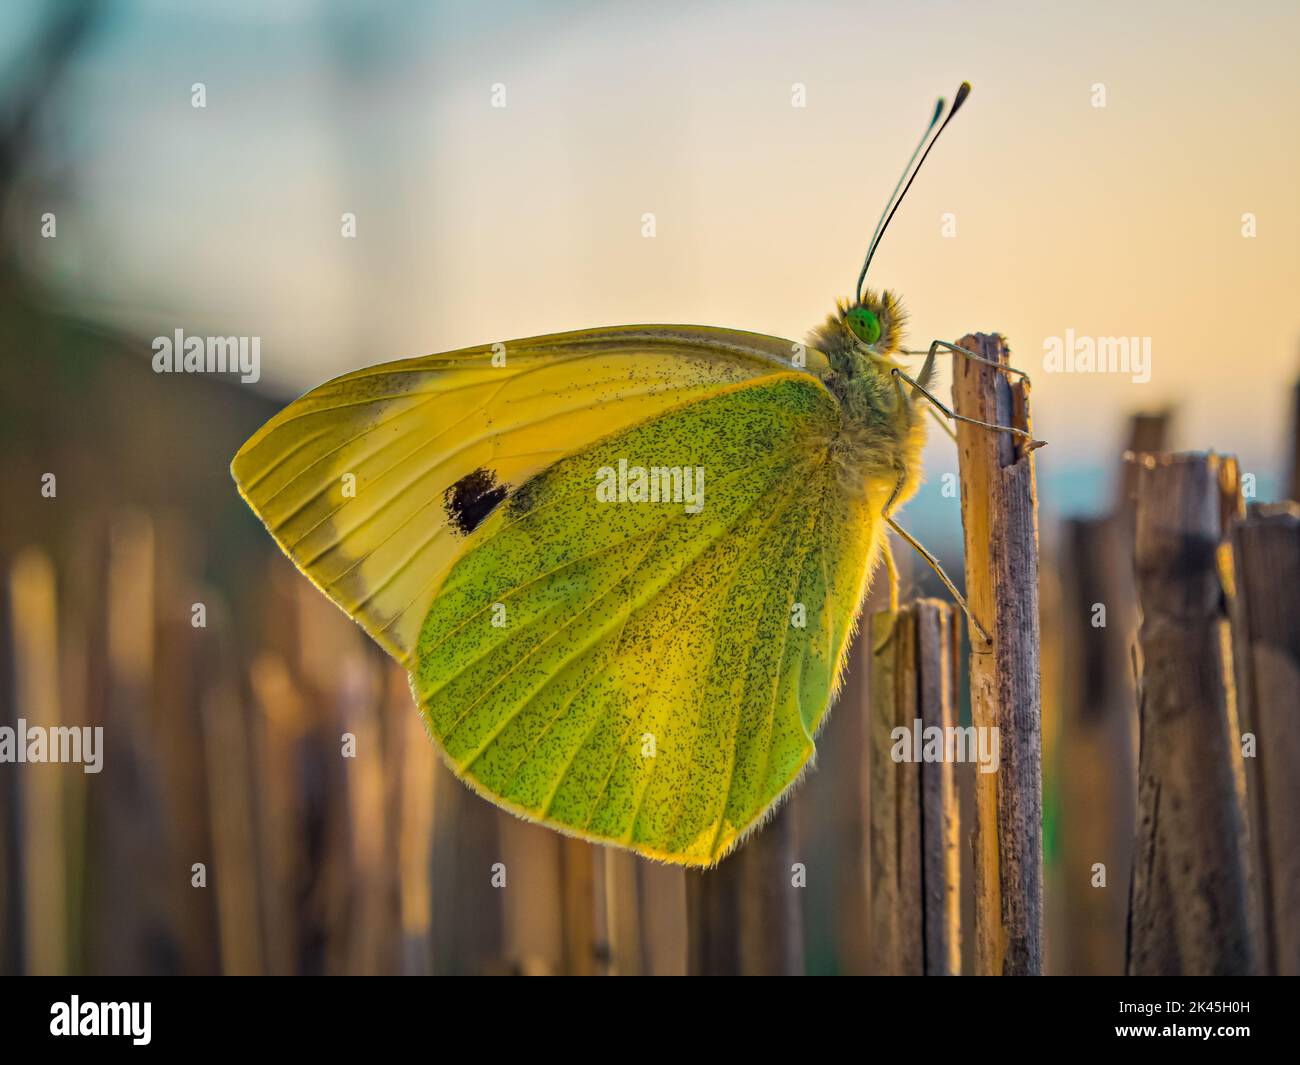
(865,325)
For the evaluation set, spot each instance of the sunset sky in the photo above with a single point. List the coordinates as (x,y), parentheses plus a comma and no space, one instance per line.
(478,223)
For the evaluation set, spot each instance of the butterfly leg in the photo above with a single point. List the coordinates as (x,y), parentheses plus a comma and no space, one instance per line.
(927,368)
(938,418)
(947,581)
(935,345)
(922,379)
(891,574)
(891,568)
(893,496)
(1031,443)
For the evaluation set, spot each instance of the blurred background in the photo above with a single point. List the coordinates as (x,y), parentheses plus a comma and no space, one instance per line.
(357,182)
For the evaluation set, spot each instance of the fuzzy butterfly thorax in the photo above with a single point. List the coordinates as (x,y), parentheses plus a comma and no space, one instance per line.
(881,434)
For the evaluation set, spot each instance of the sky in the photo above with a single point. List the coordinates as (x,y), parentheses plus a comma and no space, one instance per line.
(1040,214)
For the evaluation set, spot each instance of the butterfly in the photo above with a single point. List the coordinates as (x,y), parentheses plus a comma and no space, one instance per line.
(621,566)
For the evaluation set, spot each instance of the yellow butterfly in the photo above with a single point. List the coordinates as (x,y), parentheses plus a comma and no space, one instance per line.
(622,566)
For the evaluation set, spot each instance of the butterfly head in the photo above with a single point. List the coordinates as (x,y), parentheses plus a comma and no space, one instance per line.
(863,323)
(873,323)
(862,337)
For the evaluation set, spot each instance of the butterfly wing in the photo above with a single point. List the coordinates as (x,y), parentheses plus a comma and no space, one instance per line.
(374,482)
(640,674)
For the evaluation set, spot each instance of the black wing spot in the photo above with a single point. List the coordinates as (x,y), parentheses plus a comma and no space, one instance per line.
(472,498)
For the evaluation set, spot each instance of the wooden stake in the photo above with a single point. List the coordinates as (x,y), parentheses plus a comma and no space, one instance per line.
(1096,753)
(1148,431)
(532,903)
(177,738)
(915,866)
(582,954)
(999,513)
(622,912)
(1189,902)
(661,890)
(11,828)
(745,916)
(232,865)
(34,625)
(713,936)
(1096,761)
(275,722)
(125,823)
(833,809)
(415,843)
(1293,488)
(1266,627)
(771,914)
(467,909)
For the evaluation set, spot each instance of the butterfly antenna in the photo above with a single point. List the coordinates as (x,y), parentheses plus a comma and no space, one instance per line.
(938,110)
(897,200)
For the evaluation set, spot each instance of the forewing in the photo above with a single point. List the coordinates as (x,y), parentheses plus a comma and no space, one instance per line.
(375,482)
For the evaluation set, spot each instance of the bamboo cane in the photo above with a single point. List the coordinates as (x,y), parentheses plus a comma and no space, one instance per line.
(1000,522)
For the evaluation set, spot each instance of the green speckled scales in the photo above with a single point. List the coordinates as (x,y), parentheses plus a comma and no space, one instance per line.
(651,681)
